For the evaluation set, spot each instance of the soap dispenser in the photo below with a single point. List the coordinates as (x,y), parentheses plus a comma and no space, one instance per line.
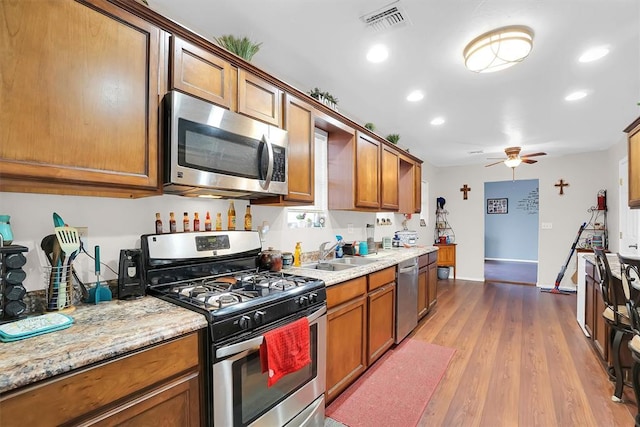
(339,251)
(296,255)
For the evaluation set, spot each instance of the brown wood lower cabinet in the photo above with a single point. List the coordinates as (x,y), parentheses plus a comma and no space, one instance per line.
(427,282)
(158,385)
(381,302)
(346,334)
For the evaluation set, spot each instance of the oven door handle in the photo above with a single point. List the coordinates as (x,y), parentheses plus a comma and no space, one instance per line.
(256,342)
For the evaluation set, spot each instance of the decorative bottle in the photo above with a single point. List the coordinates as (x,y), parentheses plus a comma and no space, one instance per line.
(158,223)
(297,253)
(231,217)
(172,222)
(207,222)
(218,221)
(247,219)
(196,221)
(185,222)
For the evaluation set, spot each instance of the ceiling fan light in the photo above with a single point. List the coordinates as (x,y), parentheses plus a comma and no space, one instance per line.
(512,163)
(498,49)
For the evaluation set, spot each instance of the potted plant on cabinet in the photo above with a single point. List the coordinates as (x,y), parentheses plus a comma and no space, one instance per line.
(243,47)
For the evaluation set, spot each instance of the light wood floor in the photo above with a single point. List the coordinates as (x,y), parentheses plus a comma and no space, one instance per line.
(521,360)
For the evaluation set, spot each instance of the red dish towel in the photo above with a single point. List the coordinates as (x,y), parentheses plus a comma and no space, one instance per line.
(285,350)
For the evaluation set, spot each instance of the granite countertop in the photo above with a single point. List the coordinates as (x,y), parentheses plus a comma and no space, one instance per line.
(614,263)
(111,329)
(383,259)
(99,332)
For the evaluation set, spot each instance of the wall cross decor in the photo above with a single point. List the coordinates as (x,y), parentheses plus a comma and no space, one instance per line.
(561,184)
(465,189)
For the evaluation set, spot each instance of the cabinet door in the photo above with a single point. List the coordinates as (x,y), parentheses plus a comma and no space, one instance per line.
(367,172)
(259,99)
(432,285)
(299,123)
(176,403)
(382,323)
(423,303)
(634,164)
(446,254)
(589,308)
(417,188)
(390,162)
(200,73)
(80,96)
(601,329)
(346,345)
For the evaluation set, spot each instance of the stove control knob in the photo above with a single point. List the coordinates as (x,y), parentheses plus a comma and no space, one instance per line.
(303,301)
(313,297)
(245,322)
(258,317)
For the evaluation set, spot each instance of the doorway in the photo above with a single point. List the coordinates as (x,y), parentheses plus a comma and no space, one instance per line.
(511,231)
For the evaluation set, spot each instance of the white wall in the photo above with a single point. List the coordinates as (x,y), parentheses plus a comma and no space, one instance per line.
(116,224)
(586,174)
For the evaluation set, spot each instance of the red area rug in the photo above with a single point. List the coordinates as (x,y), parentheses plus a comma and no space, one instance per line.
(396,389)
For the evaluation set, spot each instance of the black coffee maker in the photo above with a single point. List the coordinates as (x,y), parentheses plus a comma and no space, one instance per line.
(130,283)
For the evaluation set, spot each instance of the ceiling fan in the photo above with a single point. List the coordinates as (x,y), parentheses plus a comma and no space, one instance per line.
(514,158)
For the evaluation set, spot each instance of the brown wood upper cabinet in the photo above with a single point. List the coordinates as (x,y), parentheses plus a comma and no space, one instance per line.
(201,73)
(259,99)
(417,188)
(390,164)
(367,171)
(80,107)
(633,132)
(409,185)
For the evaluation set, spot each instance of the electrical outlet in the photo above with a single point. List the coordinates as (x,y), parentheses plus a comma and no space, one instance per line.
(350,228)
(83,233)
(546,225)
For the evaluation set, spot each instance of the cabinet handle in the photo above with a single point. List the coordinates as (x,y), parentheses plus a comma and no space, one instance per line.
(634,246)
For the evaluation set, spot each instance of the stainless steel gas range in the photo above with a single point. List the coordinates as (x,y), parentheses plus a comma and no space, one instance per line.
(215,273)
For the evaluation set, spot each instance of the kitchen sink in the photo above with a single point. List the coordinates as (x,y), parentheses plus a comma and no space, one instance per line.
(331,266)
(352,261)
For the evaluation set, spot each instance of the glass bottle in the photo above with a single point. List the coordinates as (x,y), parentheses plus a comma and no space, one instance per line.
(185,222)
(196,221)
(247,219)
(172,222)
(231,217)
(207,222)
(218,221)
(158,223)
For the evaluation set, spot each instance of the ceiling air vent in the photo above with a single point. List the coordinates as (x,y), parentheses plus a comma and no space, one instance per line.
(390,16)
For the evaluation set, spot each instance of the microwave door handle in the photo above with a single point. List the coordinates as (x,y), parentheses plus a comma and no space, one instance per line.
(267,180)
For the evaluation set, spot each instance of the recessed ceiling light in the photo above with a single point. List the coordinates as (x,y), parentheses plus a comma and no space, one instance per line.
(415,96)
(575,95)
(594,54)
(377,53)
(438,121)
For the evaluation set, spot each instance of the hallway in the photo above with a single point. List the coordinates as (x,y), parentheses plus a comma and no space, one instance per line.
(525,273)
(521,360)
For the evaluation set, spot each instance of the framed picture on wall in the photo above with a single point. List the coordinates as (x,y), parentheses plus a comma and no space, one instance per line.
(498,206)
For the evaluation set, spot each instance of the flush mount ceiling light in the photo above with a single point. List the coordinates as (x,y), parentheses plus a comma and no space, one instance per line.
(498,49)
(377,53)
(415,96)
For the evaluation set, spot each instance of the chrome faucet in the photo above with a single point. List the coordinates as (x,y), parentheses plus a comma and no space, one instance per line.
(325,252)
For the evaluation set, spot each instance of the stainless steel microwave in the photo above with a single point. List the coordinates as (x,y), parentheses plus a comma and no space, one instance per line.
(211,151)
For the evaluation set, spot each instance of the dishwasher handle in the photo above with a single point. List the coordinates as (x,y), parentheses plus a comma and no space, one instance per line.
(409,269)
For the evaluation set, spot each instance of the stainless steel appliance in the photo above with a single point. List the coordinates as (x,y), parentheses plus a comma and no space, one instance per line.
(213,151)
(406,298)
(215,273)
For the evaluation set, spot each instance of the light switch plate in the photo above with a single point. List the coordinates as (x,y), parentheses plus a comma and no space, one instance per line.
(546,225)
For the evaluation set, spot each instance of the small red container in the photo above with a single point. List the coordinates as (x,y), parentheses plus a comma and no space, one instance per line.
(442,239)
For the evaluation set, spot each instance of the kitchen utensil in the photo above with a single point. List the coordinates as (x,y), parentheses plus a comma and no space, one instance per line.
(47,246)
(5,230)
(98,293)
(287,260)
(69,240)
(363,248)
(57,220)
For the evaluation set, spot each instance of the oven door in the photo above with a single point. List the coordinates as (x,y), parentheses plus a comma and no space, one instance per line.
(240,393)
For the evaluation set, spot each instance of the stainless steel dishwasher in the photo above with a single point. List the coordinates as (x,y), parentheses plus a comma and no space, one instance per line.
(406,298)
